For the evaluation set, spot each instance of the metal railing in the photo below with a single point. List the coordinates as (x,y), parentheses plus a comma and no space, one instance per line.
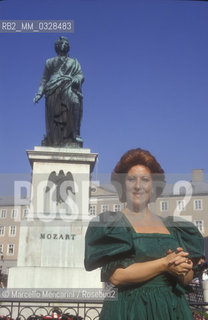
(88,310)
(195,297)
(199,310)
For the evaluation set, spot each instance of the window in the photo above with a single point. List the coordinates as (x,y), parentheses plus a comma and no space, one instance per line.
(12,231)
(117,207)
(3,213)
(163,205)
(25,213)
(92,210)
(198,204)
(1,249)
(104,207)
(2,231)
(10,249)
(14,213)
(199,224)
(180,205)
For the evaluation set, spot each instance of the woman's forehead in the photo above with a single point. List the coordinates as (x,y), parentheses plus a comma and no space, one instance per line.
(139,169)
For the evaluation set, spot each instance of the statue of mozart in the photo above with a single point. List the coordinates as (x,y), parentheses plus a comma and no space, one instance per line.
(61,84)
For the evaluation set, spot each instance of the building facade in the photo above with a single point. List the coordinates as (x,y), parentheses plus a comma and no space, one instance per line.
(11,216)
(187,200)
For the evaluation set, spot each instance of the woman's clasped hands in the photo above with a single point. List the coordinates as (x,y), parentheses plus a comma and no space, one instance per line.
(178,262)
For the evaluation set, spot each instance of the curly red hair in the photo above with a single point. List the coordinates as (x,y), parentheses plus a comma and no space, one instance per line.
(134,157)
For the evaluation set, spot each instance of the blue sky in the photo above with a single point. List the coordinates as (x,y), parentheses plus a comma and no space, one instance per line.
(146,79)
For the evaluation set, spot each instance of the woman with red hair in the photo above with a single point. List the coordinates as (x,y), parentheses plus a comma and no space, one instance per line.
(148,258)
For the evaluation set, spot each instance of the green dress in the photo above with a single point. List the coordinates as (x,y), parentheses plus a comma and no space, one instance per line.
(111,242)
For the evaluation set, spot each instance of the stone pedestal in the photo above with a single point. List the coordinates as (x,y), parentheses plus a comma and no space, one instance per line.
(51,245)
(205,291)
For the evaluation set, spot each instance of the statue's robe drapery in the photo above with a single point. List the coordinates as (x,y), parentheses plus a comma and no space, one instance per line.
(63,99)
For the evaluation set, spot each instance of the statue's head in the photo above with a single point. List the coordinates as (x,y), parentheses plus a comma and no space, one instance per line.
(62,45)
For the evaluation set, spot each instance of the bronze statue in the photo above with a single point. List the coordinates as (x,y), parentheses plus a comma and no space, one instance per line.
(61,84)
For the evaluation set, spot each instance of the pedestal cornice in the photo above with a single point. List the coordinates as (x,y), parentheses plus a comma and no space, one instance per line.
(67,155)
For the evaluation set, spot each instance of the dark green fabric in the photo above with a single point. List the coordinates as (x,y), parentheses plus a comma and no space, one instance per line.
(111,242)
(188,236)
(108,238)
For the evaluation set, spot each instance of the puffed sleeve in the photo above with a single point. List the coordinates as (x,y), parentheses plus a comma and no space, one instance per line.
(108,244)
(189,237)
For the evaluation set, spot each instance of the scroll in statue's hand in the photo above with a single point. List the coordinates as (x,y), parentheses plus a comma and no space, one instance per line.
(37,98)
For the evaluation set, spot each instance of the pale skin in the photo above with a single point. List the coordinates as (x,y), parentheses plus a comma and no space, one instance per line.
(138,184)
